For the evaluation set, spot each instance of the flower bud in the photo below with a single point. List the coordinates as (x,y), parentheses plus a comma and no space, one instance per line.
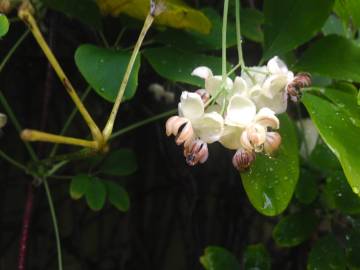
(181,128)
(272,142)
(5,6)
(253,137)
(196,151)
(243,159)
(205,96)
(301,80)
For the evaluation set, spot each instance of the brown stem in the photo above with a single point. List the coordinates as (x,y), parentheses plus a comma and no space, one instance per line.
(25,228)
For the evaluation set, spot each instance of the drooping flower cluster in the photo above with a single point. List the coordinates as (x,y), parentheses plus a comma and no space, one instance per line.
(239,113)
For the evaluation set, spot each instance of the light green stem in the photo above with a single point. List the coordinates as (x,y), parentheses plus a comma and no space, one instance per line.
(69,120)
(18,128)
(238,33)
(224,33)
(142,123)
(13,49)
(13,161)
(54,221)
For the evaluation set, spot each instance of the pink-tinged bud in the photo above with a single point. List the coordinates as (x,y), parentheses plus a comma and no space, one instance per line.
(181,128)
(300,81)
(253,138)
(196,151)
(243,159)
(272,142)
(205,96)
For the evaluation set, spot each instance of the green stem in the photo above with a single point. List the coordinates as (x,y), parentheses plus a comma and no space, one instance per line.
(142,123)
(118,38)
(110,123)
(69,120)
(238,33)
(224,33)
(13,161)
(14,120)
(54,221)
(104,40)
(13,49)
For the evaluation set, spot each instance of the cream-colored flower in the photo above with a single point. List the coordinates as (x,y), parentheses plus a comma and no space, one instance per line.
(254,135)
(208,126)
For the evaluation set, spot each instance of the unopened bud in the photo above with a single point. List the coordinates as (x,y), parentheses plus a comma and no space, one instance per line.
(196,151)
(300,81)
(272,142)
(205,96)
(243,159)
(181,128)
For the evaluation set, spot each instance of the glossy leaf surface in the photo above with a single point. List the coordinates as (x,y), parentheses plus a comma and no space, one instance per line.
(289,24)
(104,70)
(339,132)
(271,181)
(218,258)
(333,56)
(177,65)
(294,229)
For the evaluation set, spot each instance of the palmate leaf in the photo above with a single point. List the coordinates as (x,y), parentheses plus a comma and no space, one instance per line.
(176,13)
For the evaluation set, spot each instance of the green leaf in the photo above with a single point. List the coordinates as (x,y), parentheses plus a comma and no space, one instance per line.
(289,24)
(339,133)
(327,254)
(104,70)
(251,21)
(334,25)
(294,229)
(323,159)
(256,257)
(218,258)
(177,65)
(4,25)
(348,10)
(79,185)
(95,194)
(117,196)
(195,41)
(333,56)
(341,194)
(271,181)
(306,189)
(353,249)
(120,162)
(85,11)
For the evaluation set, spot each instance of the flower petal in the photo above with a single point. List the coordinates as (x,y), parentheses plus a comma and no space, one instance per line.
(239,86)
(191,106)
(254,75)
(213,84)
(276,65)
(274,84)
(202,72)
(240,112)
(278,103)
(231,137)
(267,118)
(209,127)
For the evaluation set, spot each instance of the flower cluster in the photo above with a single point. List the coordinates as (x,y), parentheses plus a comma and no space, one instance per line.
(239,113)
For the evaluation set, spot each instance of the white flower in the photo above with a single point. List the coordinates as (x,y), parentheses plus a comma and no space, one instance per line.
(209,125)
(255,134)
(266,85)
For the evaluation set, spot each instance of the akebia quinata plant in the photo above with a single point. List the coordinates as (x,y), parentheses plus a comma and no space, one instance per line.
(282,127)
